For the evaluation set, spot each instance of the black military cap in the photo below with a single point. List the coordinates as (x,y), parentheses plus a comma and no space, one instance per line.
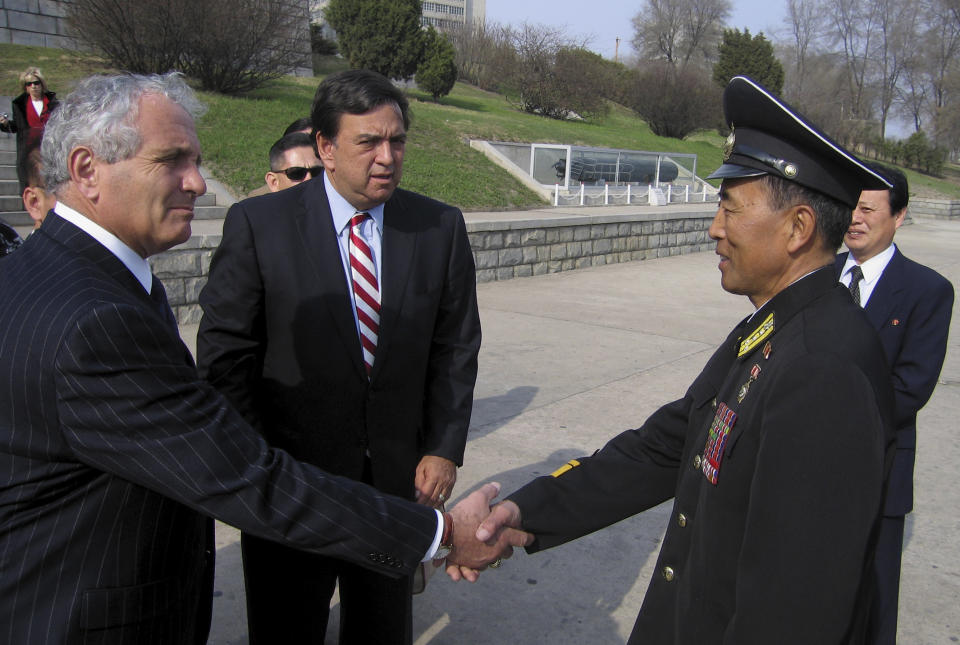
(769,137)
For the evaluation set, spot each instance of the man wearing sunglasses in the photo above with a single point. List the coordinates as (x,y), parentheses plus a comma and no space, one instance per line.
(292,160)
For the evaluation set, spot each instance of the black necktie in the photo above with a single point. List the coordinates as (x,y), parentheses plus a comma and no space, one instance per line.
(856,275)
(159,297)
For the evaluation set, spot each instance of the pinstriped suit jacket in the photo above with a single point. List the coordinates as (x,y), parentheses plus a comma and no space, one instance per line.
(113,454)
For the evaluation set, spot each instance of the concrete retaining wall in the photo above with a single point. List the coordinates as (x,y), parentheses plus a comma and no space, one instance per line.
(40,23)
(936,208)
(502,249)
(505,250)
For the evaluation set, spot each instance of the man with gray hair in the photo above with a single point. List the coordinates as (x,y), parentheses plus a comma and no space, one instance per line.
(113,452)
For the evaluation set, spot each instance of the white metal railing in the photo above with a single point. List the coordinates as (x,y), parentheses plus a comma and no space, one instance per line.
(629,194)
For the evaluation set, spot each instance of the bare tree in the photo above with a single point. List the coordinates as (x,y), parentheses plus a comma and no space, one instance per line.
(683,101)
(897,46)
(239,45)
(679,31)
(531,85)
(140,37)
(228,47)
(947,118)
(483,52)
(854,25)
(913,98)
(805,22)
(943,45)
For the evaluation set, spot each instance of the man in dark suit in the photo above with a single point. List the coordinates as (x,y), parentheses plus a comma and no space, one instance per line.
(341,317)
(776,454)
(910,306)
(113,451)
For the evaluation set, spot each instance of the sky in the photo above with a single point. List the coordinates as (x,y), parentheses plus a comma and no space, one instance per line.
(606,20)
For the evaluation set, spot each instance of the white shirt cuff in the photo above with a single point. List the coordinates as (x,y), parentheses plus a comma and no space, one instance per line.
(436,538)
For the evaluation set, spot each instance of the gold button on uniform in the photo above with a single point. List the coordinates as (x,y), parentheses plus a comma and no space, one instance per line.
(668,574)
(682,520)
(696,461)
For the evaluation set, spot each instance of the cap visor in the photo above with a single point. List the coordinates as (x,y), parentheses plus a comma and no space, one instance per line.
(733,171)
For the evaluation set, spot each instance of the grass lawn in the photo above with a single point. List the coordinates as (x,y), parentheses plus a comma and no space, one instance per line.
(237,132)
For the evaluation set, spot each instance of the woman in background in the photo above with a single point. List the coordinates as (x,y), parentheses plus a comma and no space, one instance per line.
(30,113)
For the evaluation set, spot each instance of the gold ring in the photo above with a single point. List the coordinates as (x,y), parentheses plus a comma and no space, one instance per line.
(442,497)
(496,563)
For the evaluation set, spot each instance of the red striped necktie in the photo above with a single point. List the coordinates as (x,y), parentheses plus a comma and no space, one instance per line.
(366,292)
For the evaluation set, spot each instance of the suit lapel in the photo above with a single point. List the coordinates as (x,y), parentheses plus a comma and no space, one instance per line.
(397,247)
(74,238)
(321,247)
(886,294)
(79,241)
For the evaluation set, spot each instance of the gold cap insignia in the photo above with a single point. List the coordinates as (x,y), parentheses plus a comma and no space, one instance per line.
(728,144)
(790,171)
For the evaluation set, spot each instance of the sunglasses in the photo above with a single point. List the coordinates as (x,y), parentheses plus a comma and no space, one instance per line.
(297,173)
(29,83)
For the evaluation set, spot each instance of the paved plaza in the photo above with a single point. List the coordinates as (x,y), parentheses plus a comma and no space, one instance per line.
(569,360)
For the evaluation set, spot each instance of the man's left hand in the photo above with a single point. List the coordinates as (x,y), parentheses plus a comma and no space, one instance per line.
(434,480)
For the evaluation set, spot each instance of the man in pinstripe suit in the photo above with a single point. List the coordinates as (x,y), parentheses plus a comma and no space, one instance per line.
(113,453)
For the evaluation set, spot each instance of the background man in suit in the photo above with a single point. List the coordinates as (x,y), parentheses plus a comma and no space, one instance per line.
(113,450)
(9,239)
(36,200)
(293,159)
(777,453)
(341,317)
(910,306)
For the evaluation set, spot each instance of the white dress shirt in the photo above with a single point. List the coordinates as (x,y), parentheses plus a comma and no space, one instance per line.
(371,231)
(872,270)
(138,266)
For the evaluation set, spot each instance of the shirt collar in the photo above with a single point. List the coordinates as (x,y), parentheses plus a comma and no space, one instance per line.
(342,211)
(137,265)
(872,268)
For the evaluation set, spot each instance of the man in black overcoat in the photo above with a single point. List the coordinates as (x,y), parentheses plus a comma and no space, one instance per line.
(777,453)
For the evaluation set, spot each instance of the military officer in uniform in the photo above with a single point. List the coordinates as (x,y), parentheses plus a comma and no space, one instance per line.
(777,453)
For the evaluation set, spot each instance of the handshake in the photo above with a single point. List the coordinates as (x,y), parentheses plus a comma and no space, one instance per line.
(483,535)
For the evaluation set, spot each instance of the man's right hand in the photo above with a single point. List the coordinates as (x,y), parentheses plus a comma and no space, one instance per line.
(471,554)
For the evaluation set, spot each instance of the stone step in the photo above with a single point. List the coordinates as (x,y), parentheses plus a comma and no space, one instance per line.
(8,172)
(207,199)
(17,218)
(8,157)
(209,212)
(9,203)
(9,187)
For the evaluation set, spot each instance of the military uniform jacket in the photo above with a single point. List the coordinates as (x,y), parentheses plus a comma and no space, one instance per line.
(776,457)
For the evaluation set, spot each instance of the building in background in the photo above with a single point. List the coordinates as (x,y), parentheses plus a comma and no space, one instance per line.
(454,13)
(439,13)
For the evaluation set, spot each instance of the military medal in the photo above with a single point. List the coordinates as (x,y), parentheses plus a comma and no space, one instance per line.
(723,422)
(754,373)
(766,350)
